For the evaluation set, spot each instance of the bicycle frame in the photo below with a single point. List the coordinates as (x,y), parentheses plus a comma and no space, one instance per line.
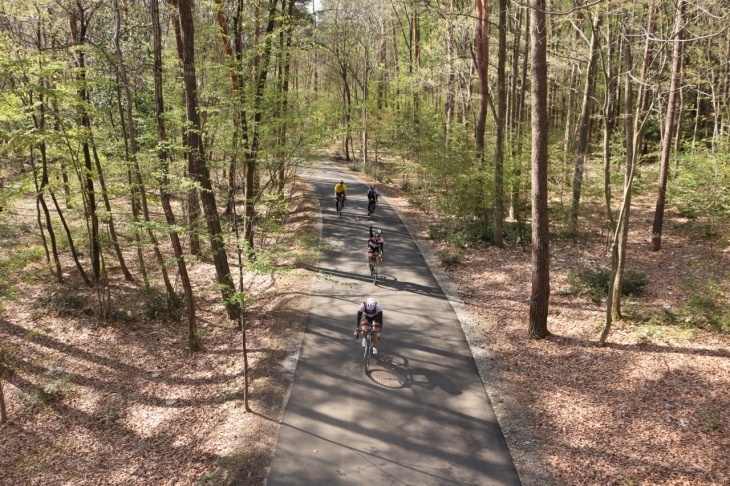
(374,266)
(366,330)
(340,203)
(371,207)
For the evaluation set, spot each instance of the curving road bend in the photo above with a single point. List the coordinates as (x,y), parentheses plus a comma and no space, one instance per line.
(420,416)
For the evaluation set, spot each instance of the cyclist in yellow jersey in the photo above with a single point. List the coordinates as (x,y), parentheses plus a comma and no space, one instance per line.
(341,191)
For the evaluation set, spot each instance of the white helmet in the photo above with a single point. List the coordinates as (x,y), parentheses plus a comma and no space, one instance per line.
(370,304)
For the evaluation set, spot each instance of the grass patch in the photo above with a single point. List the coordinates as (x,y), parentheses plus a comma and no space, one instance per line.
(451,255)
(594,282)
(53,384)
(66,302)
(706,307)
(157,304)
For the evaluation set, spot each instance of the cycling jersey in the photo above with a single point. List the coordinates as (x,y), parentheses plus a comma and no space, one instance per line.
(373,194)
(340,188)
(376,315)
(375,246)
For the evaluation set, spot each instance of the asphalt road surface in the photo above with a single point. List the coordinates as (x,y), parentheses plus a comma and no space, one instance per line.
(420,416)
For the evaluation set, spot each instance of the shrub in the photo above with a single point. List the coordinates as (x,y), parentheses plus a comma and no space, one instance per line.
(707,306)
(451,255)
(157,305)
(594,282)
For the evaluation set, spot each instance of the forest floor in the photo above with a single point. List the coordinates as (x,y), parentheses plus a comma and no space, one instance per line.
(650,407)
(124,401)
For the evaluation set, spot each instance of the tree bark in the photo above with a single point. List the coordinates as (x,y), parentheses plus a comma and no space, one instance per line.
(669,127)
(608,110)
(72,247)
(3,410)
(481,48)
(193,339)
(501,127)
(192,202)
(252,132)
(138,183)
(79,25)
(585,126)
(540,294)
(634,128)
(42,187)
(200,169)
(515,203)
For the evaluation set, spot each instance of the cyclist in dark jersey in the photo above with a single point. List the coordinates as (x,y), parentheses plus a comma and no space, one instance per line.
(375,245)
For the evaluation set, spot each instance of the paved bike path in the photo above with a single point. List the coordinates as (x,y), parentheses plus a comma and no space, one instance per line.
(420,416)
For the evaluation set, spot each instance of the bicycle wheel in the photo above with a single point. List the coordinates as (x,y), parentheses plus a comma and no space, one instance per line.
(368,351)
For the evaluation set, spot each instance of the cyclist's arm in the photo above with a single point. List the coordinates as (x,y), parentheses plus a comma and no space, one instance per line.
(379,319)
(359,316)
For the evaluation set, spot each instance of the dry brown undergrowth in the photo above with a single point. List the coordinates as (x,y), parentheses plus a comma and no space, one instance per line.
(649,408)
(124,402)
(137,408)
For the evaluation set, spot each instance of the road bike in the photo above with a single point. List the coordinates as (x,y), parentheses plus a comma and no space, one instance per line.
(340,203)
(366,331)
(371,207)
(374,264)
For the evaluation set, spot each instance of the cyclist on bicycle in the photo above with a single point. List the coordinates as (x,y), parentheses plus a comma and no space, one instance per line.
(370,314)
(372,199)
(375,245)
(340,192)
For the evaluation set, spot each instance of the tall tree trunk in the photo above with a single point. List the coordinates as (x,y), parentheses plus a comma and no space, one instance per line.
(193,339)
(72,247)
(501,127)
(450,103)
(201,174)
(285,75)
(608,111)
(515,204)
(3,410)
(634,129)
(252,132)
(133,187)
(669,126)
(42,187)
(540,294)
(416,46)
(585,126)
(481,48)
(37,208)
(231,57)
(191,199)
(513,108)
(110,222)
(382,59)
(79,26)
(568,132)
(138,182)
